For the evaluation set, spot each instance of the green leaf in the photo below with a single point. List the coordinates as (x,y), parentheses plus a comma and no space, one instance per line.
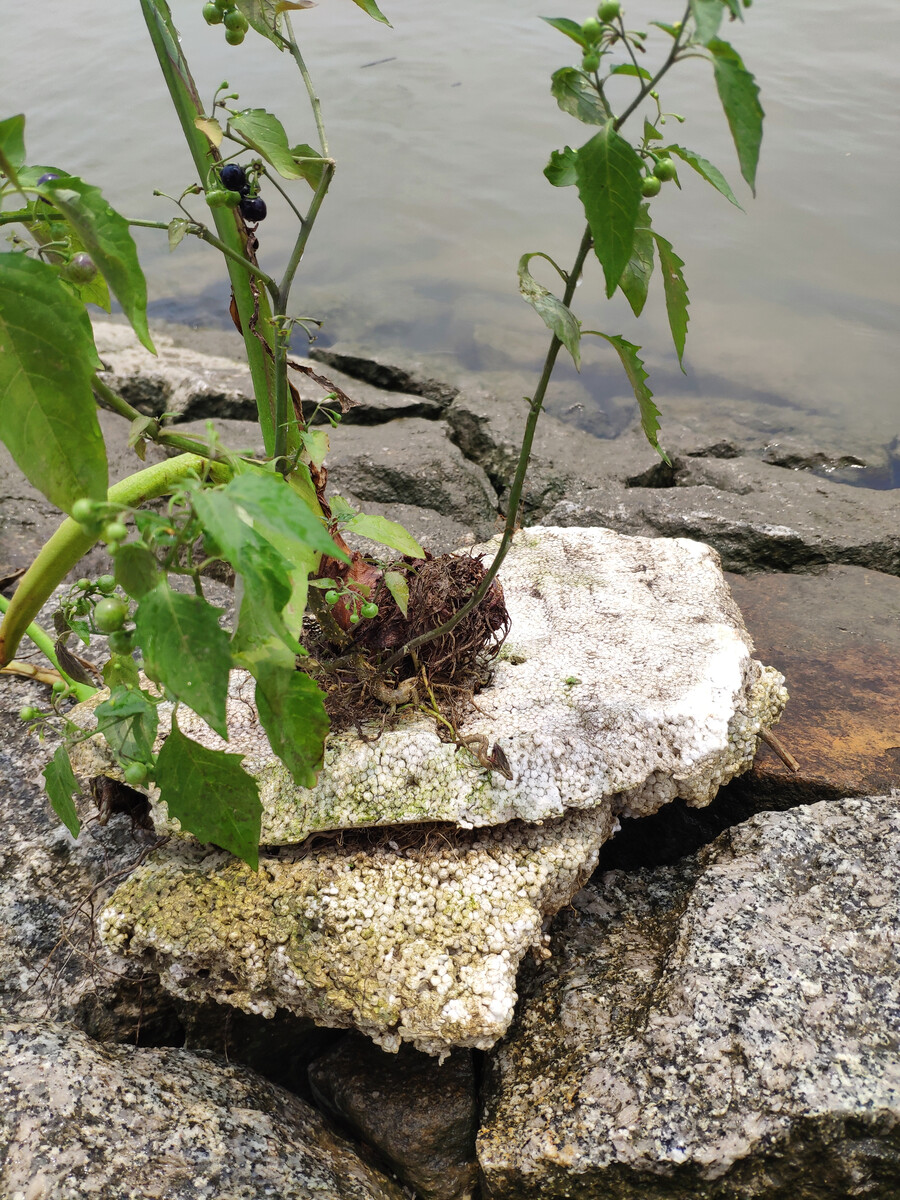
(313,169)
(61,786)
(186,651)
(136,570)
(95,291)
(676,293)
(570,28)
(707,16)
(560,170)
(292,712)
(178,227)
(387,533)
(672,30)
(609,184)
(651,133)
(271,504)
(370,7)
(735,8)
(264,16)
(743,111)
(577,96)
(316,443)
(637,377)
(635,280)
(630,69)
(128,720)
(211,795)
(707,171)
(265,133)
(557,316)
(121,671)
(396,584)
(12,146)
(48,415)
(105,236)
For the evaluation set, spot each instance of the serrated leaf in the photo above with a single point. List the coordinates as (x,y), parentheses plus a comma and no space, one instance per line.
(707,16)
(12,146)
(48,415)
(609,184)
(637,377)
(129,720)
(707,171)
(577,96)
(395,582)
(211,795)
(136,570)
(676,293)
(557,316)
(313,168)
(105,236)
(265,134)
(631,69)
(291,710)
(560,170)
(264,17)
(186,650)
(271,504)
(211,129)
(372,9)
(61,786)
(740,100)
(570,28)
(386,533)
(635,281)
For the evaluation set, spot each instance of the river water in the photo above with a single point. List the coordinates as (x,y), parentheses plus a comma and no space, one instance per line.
(441,127)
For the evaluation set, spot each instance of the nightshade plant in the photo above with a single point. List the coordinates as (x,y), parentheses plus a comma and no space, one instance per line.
(269,518)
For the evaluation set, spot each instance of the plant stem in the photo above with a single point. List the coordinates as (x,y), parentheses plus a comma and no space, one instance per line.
(153,432)
(44,643)
(307,79)
(71,542)
(309,220)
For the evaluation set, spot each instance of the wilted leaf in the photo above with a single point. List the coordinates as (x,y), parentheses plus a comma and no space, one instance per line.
(560,170)
(211,128)
(558,318)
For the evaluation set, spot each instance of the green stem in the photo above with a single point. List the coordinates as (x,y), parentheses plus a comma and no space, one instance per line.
(44,643)
(71,542)
(152,432)
(284,288)
(307,79)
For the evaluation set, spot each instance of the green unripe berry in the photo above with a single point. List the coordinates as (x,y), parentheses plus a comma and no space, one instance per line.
(28,713)
(592,30)
(212,14)
(651,186)
(83,585)
(234,37)
(106,584)
(110,614)
(232,199)
(236,20)
(135,773)
(217,198)
(664,170)
(609,10)
(331,597)
(591,61)
(369,610)
(114,531)
(354,618)
(120,641)
(81,606)
(224,6)
(60,687)
(84,511)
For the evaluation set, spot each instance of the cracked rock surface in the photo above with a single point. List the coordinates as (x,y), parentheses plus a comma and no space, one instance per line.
(726,1028)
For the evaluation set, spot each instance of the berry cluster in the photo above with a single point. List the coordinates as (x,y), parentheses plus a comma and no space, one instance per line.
(226,12)
(237,191)
(359,610)
(593,31)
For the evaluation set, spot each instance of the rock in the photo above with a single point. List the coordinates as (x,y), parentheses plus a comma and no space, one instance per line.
(722,1029)
(410,376)
(421,1117)
(412,937)
(412,461)
(626,680)
(80,1119)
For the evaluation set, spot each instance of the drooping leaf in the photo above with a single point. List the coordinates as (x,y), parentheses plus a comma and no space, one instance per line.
(48,416)
(740,101)
(672,30)
(291,711)
(637,377)
(136,570)
(609,184)
(557,316)
(211,128)
(570,28)
(707,171)
(635,280)
(560,170)
(211,795)
(577,96)
(631,69)
(370,7)
(312,168)
(396,584)
(186,650)
(383,531)
(707,16)
(61,786)
(106,237)
(676,293)
(178,227)
(265,134)
(128,720)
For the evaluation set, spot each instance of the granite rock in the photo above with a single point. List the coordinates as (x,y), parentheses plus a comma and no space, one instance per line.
(80,1119)
(723,1029)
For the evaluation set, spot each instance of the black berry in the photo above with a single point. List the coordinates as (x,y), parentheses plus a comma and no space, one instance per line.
(253,208)
(46,178)
(234,178)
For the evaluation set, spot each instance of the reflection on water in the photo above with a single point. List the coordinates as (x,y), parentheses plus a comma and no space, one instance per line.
(441,127)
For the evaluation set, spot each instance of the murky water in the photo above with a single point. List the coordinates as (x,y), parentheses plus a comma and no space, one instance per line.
(441,127)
